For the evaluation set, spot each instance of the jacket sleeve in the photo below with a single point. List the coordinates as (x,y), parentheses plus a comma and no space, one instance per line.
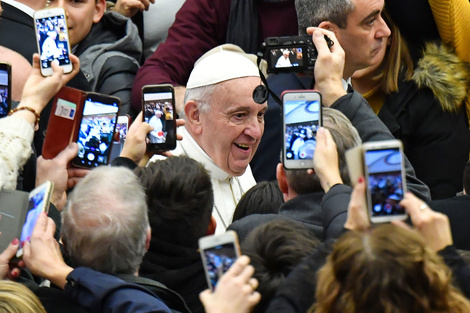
(371,128)
(98,292)
(334,209)
(452,18)
(199,26)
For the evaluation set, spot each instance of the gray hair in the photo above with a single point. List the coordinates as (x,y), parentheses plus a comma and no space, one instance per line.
(201,95)
(313,12)
(105,222)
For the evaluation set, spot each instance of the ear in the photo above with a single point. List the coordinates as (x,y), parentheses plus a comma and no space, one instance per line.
(147,240)
(100,8)
(281,179)
(328,26)
(193,117)
(212,227)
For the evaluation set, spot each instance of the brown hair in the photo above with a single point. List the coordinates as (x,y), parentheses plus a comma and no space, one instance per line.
(397,60)
(386,269)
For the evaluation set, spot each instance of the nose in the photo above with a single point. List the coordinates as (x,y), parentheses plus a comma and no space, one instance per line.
(254,128)
(383,29)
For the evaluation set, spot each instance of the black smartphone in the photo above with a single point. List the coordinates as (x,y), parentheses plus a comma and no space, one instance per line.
(302,116)
(5,88)
(95,133)
(385,178)
(218,253)
(158,105)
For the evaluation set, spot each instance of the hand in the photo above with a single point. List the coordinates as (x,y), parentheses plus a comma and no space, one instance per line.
(358,217)
(325,160)
(129,8)
(135,145)
(38,90)
(328,67)
(42,255)
(234,291)
(6,271)
(433,226)
(75,175)
(55,170)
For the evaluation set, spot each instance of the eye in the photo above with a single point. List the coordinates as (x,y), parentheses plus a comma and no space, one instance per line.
(261,115)
(239,115)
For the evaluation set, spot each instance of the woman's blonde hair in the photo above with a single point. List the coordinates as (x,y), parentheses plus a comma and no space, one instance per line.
(387,269)
(16,298)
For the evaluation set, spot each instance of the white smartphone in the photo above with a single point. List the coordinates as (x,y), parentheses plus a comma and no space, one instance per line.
(39,200)
(53,40)
(302,116)
(218,253)
(385,179)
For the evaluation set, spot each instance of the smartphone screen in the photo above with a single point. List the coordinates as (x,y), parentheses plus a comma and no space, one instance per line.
(301,120)
(52,39)
(385,182)
(158,109)
(120,134)
(5,89)
(218,261)
(96,131)
(38,203)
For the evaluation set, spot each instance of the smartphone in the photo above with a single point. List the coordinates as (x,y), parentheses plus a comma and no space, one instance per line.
(53,39)
(39,200)
(95,132)
(5,88)
(119,136)
(386,181)
(158,105)
(301,116)
(218,253)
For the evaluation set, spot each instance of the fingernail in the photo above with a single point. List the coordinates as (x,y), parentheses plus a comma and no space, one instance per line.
(14,274)
(360,180)
(15,241)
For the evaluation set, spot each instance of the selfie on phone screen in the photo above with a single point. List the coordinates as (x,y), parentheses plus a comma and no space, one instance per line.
(385,181)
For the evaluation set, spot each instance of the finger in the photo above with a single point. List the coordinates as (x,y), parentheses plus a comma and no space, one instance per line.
(321,136)
(205,295)
(143,130)
(239,266)
(41,225)
(146,4)
(253,282)
(254,298)
(10,251)
(36,62)
(15,273)
(50,227)
(180,122)
(66,155)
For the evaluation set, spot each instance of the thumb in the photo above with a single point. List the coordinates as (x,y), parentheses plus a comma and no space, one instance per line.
(68,153)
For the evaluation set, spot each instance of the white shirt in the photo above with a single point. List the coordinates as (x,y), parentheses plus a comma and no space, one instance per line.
(227,189)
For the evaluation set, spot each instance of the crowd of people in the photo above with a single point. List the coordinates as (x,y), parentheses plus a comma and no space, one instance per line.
(123,237)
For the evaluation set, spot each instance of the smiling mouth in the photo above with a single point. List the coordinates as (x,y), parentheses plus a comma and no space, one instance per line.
(242,146)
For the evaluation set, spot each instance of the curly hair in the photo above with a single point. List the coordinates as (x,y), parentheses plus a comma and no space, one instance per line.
(386,269)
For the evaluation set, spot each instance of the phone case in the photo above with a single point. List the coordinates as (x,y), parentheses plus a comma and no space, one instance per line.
(13,209)
(65,116)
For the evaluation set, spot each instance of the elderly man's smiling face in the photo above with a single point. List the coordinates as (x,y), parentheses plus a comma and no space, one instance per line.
(231,130)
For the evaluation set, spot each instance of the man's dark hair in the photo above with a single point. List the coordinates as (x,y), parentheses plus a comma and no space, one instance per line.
(275,248)
(179,198)
(263,198)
